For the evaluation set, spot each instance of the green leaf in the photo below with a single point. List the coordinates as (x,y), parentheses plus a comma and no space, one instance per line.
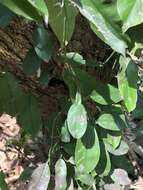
(84,177)
(105,94)
(26,174)
(30,117)
(40,178)
(113,140)
(127,82)
(89,86)
(104,165)
(5,16)
(121,150)
(78,98)
(130,12)
(93,12)
(110,10)
(44,77)
(108,165)
(10,94)
(69,148)
(77,120)
(87,150)
(62,19)
(73,58)
(65,136)
(70,82)
(3,185)
(122,162)
(60,175)
(118,116)
(23,8)
(108,121)
(42,43)
(137,113)
(40,5)
(31,62)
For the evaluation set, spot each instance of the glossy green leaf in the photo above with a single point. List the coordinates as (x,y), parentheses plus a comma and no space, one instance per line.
(42,43)
(105,94)
(130,12)
(31,62)
(5,16)
(108,121)
(62,19)
(60,175)
(114,141)
(84,177)
(30,117)
(121,150)
(78,98)
(87,150)
(118,117)
(65,136)
(93,12)
(110,10)
(108,165)
(100,168)
(40,178)
(73,58)
(104,165)
(23,8)
(77,120)
(3,185)
(127,82)
(40,5)
(89,86)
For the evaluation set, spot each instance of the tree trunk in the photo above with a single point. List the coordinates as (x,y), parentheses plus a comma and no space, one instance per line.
(15,40)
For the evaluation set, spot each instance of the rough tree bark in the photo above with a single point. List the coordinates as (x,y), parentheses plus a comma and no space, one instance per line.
(15,40)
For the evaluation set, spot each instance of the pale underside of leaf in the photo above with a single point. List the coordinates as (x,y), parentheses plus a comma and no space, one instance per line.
(40,178)
(77,120)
